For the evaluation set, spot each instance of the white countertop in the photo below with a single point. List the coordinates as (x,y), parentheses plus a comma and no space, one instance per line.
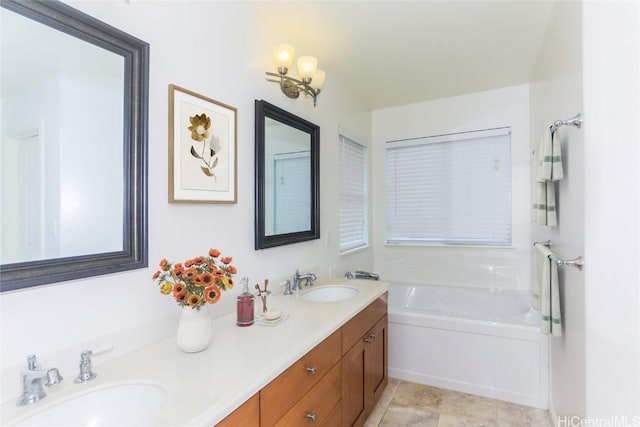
(205,387)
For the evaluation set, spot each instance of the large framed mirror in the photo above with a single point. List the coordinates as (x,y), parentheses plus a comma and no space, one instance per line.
(287,177)
(73,174)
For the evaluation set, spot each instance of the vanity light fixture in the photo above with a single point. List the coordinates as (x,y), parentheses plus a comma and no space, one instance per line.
(311,79)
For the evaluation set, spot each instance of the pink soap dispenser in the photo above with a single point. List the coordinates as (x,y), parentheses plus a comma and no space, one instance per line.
(245,305)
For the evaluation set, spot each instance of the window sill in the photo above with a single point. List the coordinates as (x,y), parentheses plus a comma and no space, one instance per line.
(354,250)
(444,245)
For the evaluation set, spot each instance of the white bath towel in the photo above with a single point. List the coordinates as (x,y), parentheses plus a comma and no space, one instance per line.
(546,291)
(546,170)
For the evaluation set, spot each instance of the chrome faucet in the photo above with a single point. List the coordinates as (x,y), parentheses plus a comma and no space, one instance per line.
(32,376)
(361,275)
(298,278)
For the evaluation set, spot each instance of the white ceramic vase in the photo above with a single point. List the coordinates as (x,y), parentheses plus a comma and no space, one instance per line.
(195,330)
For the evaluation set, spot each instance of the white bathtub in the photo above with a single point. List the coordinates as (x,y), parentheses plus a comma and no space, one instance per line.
(480,341)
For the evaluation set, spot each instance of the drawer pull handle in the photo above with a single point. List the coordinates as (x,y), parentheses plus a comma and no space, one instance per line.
(369,338)
(311,417)
(311,370)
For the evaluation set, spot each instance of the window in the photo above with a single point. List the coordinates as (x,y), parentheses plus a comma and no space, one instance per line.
(353,195)
(450,189)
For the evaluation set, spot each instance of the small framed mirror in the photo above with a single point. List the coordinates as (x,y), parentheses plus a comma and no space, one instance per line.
(287,177)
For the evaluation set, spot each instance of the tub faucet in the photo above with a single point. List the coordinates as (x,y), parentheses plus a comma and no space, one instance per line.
(299,278)
(32,376)
(361,275)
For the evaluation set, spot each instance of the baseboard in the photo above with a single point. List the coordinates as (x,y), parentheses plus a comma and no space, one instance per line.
(553,415)
(464,387)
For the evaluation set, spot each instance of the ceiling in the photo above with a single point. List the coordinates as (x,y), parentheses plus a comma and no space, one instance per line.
(391,53)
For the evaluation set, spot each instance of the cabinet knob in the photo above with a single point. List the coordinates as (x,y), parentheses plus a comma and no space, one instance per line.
(370,337)
(311,370)
(311,417)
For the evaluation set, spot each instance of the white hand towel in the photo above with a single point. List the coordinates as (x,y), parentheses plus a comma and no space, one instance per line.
(557,173)
(544,204)
(547,168)
(545,291)
(545,156)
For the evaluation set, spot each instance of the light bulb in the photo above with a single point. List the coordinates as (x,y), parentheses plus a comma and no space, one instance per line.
(307,66)
(283,56)
(318,80)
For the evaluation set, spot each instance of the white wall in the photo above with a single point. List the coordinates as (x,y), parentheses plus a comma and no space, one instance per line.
(219,50)
(611,56)
(556,93)
(461,266)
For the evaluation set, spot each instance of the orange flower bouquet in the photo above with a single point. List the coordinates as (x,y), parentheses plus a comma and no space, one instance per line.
(197,281)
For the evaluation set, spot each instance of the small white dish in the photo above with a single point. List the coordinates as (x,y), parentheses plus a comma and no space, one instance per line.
(261,320)
(272,314)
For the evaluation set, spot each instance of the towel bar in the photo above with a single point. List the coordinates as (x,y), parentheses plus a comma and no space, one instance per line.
(573,121)
(576,262)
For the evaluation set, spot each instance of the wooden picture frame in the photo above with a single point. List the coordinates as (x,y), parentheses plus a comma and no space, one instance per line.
(202,149)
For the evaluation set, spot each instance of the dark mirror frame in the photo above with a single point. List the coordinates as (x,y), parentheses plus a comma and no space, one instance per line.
(263,110)
(136,98)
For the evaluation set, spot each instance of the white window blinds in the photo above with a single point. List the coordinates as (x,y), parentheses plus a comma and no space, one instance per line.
(353,224)
(450,189)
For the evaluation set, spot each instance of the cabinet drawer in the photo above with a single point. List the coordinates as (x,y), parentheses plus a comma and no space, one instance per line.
(247,415)
(334,419)
(355,328)
(316,407)
(284,391)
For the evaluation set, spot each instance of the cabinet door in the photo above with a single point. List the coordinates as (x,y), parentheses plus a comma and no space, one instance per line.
(353,395)
(247,415)
(375,368)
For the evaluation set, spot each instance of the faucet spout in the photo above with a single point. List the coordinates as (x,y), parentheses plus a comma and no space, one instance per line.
(298,278)
(32,376)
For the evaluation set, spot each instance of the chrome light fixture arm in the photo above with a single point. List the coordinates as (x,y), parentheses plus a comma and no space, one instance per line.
(292,87)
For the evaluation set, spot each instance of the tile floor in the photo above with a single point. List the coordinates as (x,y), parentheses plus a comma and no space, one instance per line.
(406,404)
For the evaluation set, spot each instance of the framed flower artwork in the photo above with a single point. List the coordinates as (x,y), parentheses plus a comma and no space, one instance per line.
(202,149)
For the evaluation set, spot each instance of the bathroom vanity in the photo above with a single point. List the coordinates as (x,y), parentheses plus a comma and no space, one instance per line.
(337,383)
(325,365)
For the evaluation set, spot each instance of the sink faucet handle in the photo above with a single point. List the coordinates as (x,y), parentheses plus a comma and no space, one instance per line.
(86,374)
(287,287)
(53,377)
(32,363)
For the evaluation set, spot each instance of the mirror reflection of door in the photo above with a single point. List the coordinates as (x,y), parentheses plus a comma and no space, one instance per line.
(22,198)
(292,207)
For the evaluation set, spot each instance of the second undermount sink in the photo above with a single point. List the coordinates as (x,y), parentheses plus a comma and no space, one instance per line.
(329,293)
(119,405)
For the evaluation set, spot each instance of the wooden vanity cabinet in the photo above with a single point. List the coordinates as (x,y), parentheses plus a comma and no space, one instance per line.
(335,384)
(364,362)
(247,415)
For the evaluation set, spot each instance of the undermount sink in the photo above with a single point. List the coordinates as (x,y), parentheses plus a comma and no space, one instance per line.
(329,293)
(121,405)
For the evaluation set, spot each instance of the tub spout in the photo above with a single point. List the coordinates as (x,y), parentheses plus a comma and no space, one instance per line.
(358,274)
